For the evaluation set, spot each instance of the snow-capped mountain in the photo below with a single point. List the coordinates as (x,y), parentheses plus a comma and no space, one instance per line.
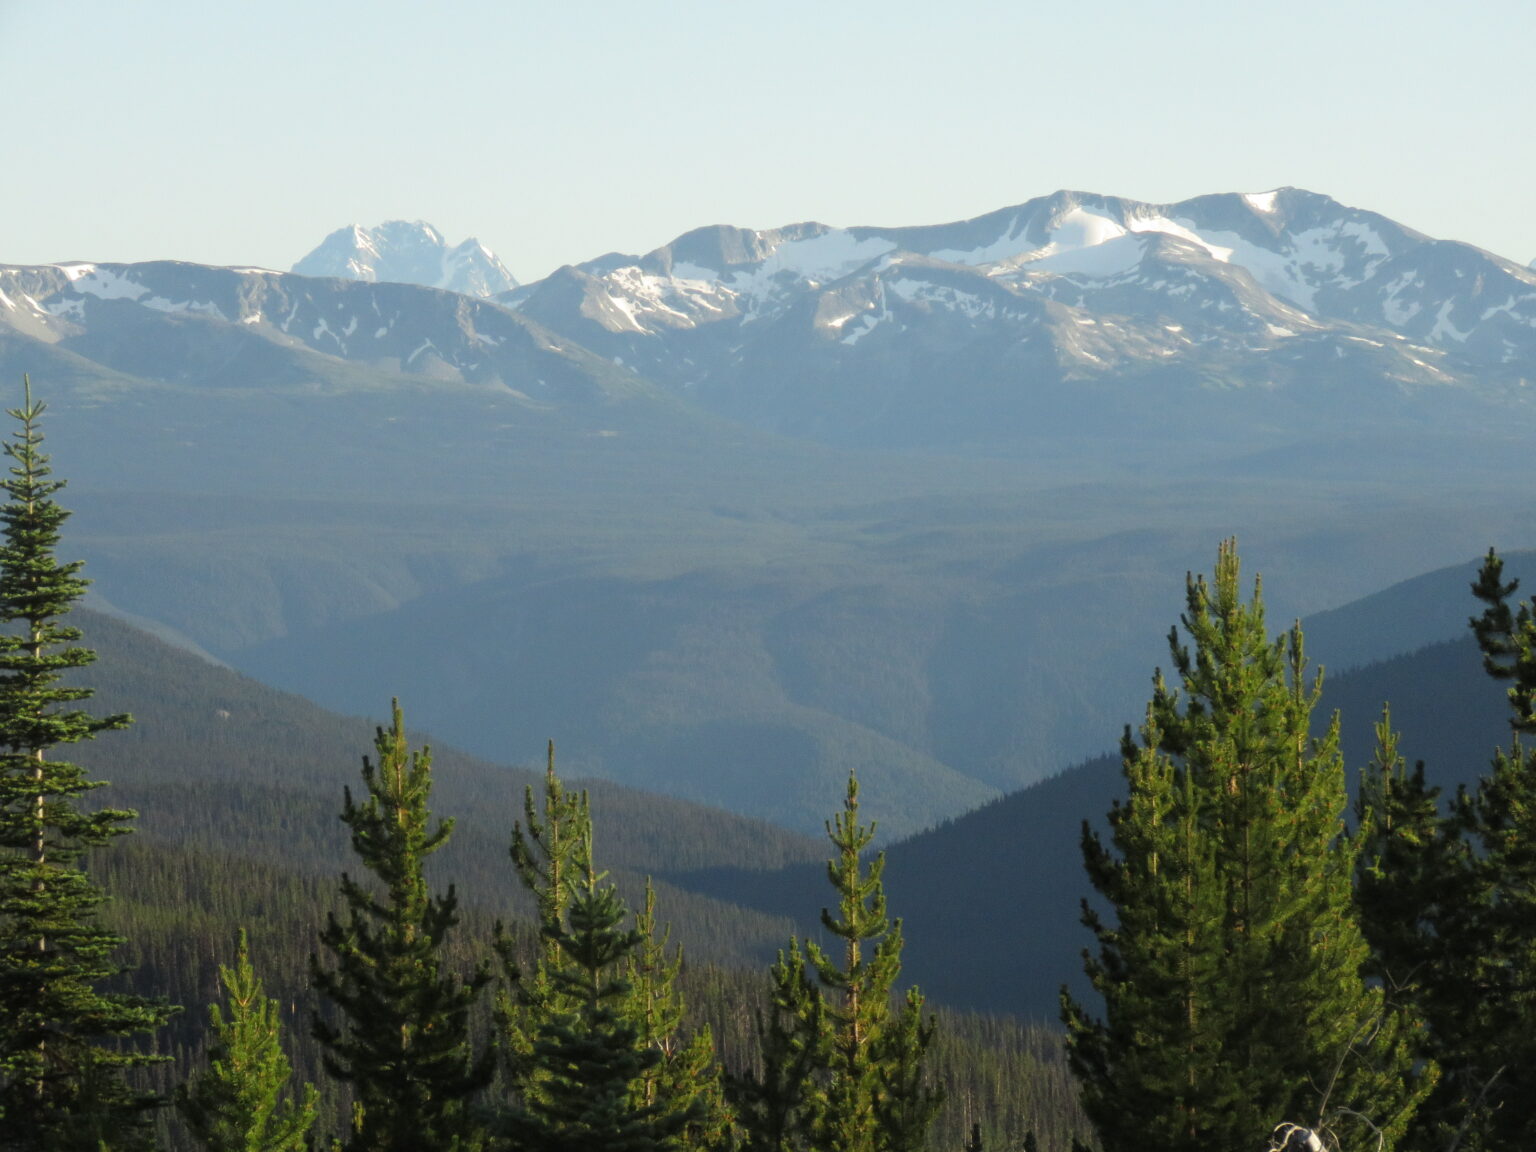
(942,330)
(408,252)
(1069,315)
(1262,266)
(190,324)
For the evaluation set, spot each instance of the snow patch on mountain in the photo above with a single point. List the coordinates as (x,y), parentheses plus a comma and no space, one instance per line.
(1111,257)
(1261,201)
(1010,244)
(970,304)
(830,256)
(1444,329)
(102,283)
(790,265)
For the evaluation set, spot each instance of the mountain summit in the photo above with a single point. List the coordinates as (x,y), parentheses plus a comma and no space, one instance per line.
(408,252)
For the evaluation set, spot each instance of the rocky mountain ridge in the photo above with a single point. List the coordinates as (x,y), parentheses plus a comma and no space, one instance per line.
(800,328)
(1070,312)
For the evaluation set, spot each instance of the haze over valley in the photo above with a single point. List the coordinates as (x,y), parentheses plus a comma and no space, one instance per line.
(733,518)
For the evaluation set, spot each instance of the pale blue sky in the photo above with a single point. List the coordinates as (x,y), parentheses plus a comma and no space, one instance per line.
(230,132)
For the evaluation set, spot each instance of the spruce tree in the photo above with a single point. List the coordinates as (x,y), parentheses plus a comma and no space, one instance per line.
(63,1042)
(842,1066)
(402,1042)
(1232,975)
(241,1103)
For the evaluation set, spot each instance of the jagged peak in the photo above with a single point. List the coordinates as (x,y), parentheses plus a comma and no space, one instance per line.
(409,252)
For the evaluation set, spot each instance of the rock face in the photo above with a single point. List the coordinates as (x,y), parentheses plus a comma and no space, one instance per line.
(408,252)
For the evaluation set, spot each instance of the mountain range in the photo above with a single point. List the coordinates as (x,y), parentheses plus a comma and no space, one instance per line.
(1014,327)
(987,329)
(737,516)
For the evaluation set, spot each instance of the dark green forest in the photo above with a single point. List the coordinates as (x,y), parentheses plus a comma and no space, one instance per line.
(238,790)
(324,933)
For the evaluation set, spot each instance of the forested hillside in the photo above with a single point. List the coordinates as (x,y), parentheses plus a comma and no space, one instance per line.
(1023,942)
(238,789)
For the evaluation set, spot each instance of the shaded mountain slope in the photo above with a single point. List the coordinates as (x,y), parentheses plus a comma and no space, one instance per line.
(216,762)
(990,899)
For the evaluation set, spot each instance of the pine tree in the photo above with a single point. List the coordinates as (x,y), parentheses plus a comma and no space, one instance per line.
(777,1107)
(675,1095)
(403,1042)
(1232,976)
(1482,988)
(906,1101)
(238,1104)
(551,850)
(686,1080)
(591,1059)
(1420,907)
(63,1055)
(842,1067)
(1152,1070)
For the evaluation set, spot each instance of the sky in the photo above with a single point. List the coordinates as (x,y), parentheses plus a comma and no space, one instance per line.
(243,133)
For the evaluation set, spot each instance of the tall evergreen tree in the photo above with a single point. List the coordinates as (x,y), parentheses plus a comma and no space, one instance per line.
(1420,904)
(779,1105)
(686,1080)
(1484,980)
(858,1059)
(551,850)
(674,1089)
(241,1103)
(403,1041)
(1232,976)
(63,1054)
(591,1059)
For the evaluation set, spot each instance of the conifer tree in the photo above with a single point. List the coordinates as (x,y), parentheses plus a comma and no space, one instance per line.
(1482,987)
(591,1059)
(833,1028)
(1232,976)
(777,1107)
(62,1051)
(686,1080)
(906,1102)
(1420,900)
(242,1102)
(674,1092)
(551,849)
(403,1040)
